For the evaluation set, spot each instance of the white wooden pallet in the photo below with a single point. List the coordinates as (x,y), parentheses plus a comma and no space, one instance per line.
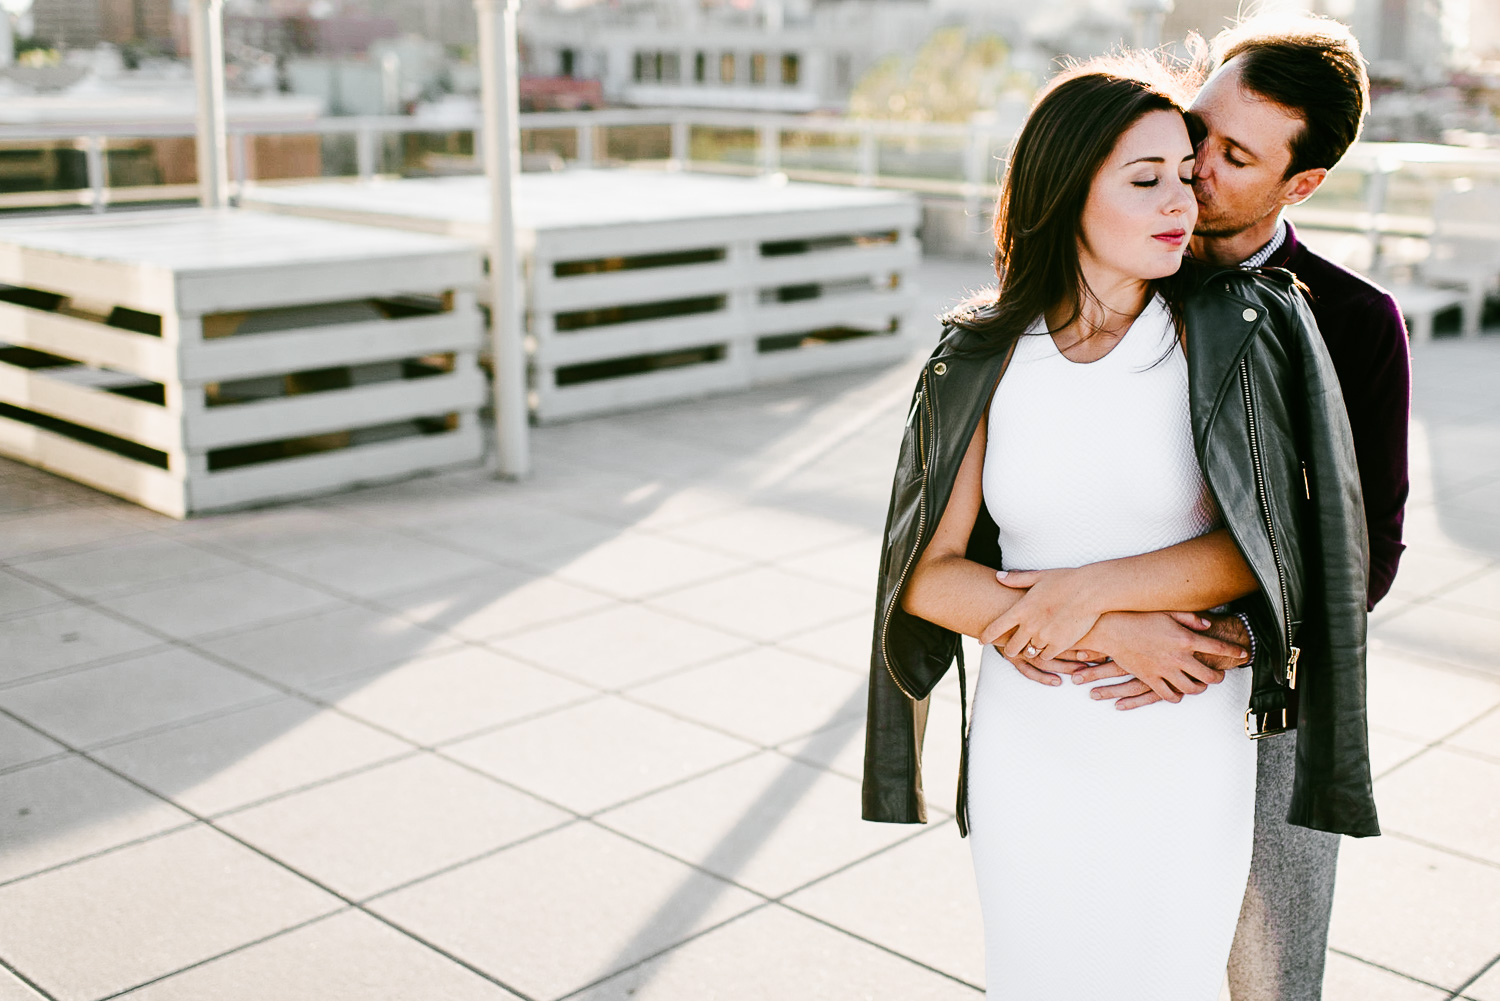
(259,385)
(725,240)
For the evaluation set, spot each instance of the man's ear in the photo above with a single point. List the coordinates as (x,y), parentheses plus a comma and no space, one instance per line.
(1299,187)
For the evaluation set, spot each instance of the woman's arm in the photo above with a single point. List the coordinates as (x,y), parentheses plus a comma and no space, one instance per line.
(959,594)
(1062,605)
(945,587)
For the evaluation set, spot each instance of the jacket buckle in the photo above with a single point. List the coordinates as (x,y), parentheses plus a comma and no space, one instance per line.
(1291,667)
(1258,725)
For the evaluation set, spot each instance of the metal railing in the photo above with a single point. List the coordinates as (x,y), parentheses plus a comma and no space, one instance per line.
(1380,188)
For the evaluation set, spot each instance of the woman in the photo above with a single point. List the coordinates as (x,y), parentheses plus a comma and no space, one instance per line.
(1125,420)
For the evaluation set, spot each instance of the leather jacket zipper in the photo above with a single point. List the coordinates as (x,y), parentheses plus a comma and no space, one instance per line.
(923,400)
(1265,510)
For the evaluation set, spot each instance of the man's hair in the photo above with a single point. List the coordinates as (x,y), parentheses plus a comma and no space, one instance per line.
(1309,65)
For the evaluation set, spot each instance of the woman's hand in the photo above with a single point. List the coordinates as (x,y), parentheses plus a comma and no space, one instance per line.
(1057,611)
(1163,652)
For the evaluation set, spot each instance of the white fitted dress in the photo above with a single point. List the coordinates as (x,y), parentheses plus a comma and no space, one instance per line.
(1111,848)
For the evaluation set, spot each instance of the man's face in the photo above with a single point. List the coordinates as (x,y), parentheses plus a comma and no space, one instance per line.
(1240,174)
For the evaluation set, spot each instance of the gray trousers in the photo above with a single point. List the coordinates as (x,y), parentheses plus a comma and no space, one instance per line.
(1282,938)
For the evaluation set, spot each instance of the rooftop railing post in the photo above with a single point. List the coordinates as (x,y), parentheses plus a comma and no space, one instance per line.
(239,162)
(364,152)
(768,147)
(500,129)
(586,144)
(976,157)
(1375,197)
(93,157)
(206,22)
(682,144)
(869,161)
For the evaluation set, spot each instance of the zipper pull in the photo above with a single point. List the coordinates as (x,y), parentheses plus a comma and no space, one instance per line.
(1306,487)
(1291,667)
(915,403)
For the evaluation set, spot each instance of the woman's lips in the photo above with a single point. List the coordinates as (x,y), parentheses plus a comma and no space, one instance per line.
(1173,237)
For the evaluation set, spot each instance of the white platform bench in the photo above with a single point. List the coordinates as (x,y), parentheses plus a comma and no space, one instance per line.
(1420,304)
(193,360)
(646,286)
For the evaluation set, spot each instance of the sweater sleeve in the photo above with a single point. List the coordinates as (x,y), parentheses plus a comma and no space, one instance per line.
(1378,401)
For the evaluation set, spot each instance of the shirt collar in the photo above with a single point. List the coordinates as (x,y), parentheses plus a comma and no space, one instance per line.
(1263,255)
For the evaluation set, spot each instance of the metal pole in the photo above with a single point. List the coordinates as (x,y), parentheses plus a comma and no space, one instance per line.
(502,143)
(93,153)
(207,25)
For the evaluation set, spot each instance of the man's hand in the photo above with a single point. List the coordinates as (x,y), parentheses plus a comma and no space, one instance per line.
(1223,644)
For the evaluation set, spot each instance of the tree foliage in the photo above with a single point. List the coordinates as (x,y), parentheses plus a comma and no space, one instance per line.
(953,75)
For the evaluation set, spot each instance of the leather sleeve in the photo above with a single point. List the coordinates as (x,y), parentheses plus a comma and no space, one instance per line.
(1333,789)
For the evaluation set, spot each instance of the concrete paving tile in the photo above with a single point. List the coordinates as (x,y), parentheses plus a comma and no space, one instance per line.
(595,903)
(764,603)
(853,564)
(385,826)
(1346,979)
(342,640)
(59,528)
(1480,595)
(1423,571)
(774,953)
(1482,736)
(1448,634)
(1487,987)
(154,689)
(17,596)
(1389,750)
(678,504)
(1441,525)
(1447,799)
(227,761)
(451,695)
(765,695)
(270,531)
(64,637)
(517,533)
(233,601)
(917,898)
(20,744)
(1390,895)
(61,810)
(636,565)
(174,900)
(598,754)
(845,643)
(763,533)
(845,754)
(493,604)
(377,561)
(348,957)
(620,645)
(770,824)
(126,565)
(616,497)
(14,989)
(1422,700)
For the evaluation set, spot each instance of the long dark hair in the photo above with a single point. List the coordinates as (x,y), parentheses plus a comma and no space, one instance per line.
(1073,126)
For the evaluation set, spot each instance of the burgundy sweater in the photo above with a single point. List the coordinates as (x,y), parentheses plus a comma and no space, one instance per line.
(1366,337)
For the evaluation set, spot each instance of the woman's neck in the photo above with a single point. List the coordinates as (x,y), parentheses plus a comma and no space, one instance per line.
(1108,305)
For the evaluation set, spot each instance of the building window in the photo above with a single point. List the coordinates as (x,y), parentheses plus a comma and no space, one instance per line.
(670,67)
(791,69)
(640,67)
(843,71)
(726,67)
(565,62)
(757,67)
(700,67)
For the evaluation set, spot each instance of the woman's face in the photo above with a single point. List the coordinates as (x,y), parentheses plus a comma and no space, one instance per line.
(1140,210)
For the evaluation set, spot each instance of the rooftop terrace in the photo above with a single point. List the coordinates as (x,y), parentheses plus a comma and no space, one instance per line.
(597,735)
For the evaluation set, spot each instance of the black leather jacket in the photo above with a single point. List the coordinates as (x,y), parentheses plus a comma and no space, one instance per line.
(1273,441)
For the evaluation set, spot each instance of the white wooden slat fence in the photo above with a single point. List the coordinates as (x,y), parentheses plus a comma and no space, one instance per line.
(193,360)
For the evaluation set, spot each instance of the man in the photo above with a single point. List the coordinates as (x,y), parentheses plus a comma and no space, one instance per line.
(1286,100)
